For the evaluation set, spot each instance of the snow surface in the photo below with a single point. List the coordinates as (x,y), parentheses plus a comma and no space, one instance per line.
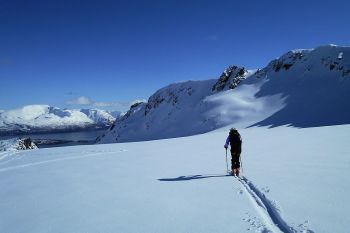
(12,146)
(191,108)
(296,178)
(241,106)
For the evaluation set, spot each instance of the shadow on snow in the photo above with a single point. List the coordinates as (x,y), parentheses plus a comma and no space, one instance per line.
(193,177)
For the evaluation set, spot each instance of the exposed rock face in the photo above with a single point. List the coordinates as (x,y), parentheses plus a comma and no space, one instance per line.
(133,108)
(230,78)
(169,95)
(25,144)
(287,61)
(329,56)
(336,64)
(15,144)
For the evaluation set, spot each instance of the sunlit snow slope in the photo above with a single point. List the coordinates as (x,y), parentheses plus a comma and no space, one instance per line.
(295,178)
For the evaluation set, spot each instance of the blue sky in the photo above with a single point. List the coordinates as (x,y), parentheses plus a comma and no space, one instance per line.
(109,53)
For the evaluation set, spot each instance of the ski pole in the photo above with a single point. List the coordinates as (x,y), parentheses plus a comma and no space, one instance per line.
(226,161)
(241,163)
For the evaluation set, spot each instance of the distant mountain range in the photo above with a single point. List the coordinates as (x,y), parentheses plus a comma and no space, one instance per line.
(302,88)
(44,118)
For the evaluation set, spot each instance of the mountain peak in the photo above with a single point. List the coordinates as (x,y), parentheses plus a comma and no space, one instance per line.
(230,78)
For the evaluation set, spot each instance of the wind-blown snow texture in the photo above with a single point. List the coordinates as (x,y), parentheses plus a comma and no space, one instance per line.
(44,118)
(302,88)
(295,178)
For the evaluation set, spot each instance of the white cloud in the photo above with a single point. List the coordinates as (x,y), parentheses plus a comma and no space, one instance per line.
(82,100)
(117,105)
(110,104)
(102,104)
(137,101)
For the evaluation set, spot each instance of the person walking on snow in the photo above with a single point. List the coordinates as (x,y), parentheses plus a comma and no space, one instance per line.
(234,139)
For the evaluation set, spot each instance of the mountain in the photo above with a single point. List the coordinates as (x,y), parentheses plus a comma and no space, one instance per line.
(44,118)
(316,84)
(100,117)
(302,88)
(115,114)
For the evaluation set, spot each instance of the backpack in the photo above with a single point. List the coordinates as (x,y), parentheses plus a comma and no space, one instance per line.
(235,141)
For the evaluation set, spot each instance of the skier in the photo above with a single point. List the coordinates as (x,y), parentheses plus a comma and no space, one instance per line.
(234,139)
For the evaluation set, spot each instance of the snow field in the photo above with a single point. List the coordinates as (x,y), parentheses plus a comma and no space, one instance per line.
(180,185)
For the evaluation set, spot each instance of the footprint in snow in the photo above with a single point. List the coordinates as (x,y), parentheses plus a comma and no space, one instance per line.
(266,189)
(303,227)
(254,224)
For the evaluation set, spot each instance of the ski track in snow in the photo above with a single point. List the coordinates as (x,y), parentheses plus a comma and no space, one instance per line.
(9,156)
(99,153)
(266,209)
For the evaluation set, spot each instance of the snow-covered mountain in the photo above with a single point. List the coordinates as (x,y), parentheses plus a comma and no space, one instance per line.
(100,117)
(115,114)
(302,88)
(44,118)
(316,84)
